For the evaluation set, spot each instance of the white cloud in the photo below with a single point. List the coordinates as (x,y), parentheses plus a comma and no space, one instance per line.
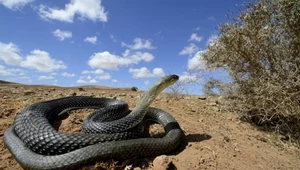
(92,40)
(9,53)
(196,62)
(37,59)
(113,38)
(15,4)
(104,76)
(114,80)
(99,74)
(211,18)
(89,77)
(195,37)
(62,35)
(53,74)
(65,74)
(146,82)
(81,81)
(158,72)
(92,81)
(145,73)
(212,40)
(88,9)
(4,72)
(106,60)
(21,79)
(189,50)
(41,61)
(189,77)
(98,71)
(46,77)
(139,43)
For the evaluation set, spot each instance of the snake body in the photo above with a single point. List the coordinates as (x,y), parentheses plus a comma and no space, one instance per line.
(35,144)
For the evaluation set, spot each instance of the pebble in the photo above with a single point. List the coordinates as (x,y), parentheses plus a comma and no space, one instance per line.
(161,162)
(28,92)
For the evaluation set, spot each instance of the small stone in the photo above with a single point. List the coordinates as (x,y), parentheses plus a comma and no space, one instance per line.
(28,92)
(137,168)
(5,97)
(122,94)
(161,162)
(74,94)
(81,89)
(202,98)
(202,160)
(212,104)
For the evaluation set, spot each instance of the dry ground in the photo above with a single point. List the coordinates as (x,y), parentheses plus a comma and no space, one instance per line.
(215,139)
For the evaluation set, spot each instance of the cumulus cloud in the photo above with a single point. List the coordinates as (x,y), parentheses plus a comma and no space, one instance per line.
(114,80)
(88,9)
(212,40)
(188,77)
(100,74)
(195,37)
(196,62)
(106,60)
(62,35)
(139,44)
(98,71)
(37,59)
(146,82)
(65,74)
(92,40)
(9,53)
(46,77)
(41,61)
(189,50)
(15,4)
(104,76)
(145,73)
(11,71)
(91,81)
(4,72)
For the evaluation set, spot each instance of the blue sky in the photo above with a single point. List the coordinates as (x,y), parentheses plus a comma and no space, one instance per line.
(121,43)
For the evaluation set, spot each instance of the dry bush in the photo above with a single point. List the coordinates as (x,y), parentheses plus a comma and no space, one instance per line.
(176,91)
(260,49)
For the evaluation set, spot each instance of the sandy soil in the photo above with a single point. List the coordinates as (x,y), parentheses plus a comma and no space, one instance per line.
(215,139)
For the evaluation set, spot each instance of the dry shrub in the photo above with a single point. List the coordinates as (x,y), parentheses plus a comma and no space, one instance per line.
(260,49)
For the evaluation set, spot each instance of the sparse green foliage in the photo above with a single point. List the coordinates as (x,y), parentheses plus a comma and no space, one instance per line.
(260,49)
(134,88)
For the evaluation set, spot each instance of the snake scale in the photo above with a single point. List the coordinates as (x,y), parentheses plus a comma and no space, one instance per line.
(36,144)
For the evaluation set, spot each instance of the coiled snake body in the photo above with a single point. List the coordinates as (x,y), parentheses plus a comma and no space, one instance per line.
(35,144)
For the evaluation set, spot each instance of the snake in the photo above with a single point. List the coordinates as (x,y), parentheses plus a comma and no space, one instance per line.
(36,144)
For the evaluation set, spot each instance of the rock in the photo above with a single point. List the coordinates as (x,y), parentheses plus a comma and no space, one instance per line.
(212,104)
(122,94)
(5,97)
(28,92)
(81,89)
(202,98)
(73,94)
(162,163)
(137,168)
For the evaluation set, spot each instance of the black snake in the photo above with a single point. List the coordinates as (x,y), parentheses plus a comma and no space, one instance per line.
(35,144)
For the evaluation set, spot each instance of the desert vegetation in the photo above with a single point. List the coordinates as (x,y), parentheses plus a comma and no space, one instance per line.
(260,50)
